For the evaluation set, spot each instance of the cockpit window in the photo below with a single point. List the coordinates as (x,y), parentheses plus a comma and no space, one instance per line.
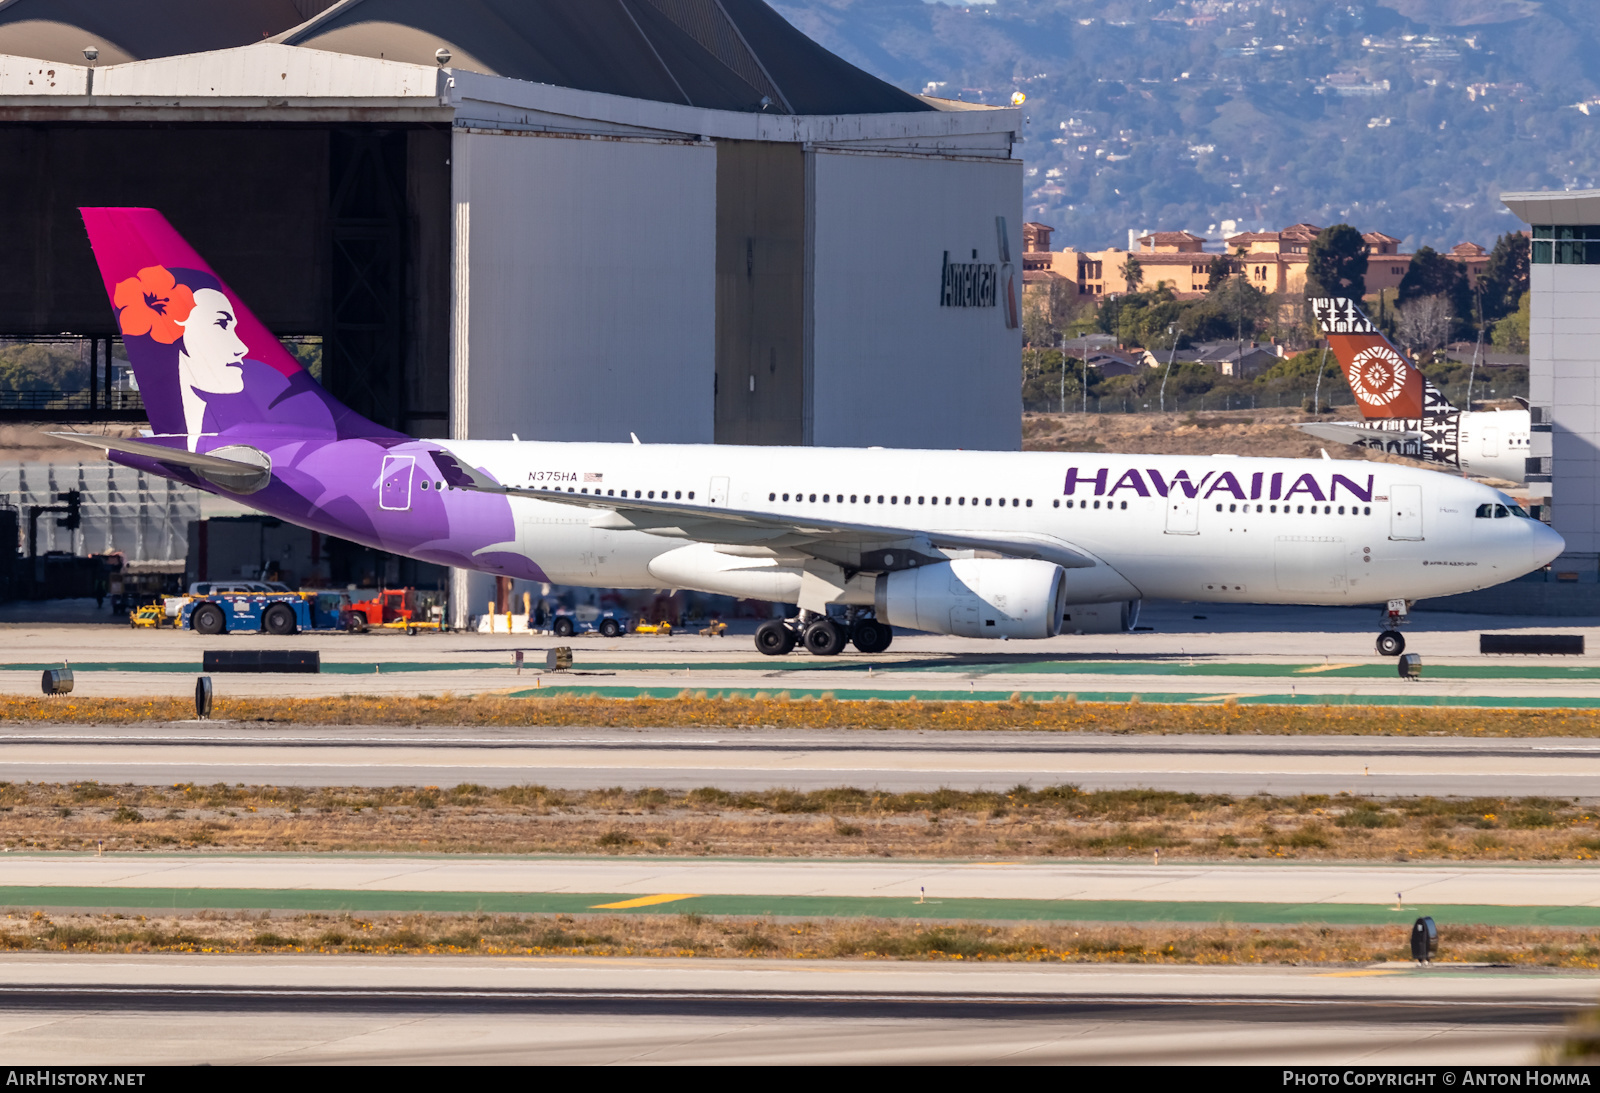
(1501,512)
(1518,510)
(1485,511)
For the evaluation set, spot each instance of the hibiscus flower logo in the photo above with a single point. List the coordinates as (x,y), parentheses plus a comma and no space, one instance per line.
(153,303)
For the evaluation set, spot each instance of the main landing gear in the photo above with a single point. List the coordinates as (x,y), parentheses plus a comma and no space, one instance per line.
(822,636)
(1391,643)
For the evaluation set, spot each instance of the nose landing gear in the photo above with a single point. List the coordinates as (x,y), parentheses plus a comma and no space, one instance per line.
(1391,643)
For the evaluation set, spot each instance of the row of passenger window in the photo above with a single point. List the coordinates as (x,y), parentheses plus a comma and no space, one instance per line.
(1327,510)
(892,499)
(677,495)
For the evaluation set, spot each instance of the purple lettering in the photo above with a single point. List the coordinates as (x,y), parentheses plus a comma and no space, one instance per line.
(1227,483)
(1305,484)
(1099,480)
(1190,489)
(1130,480)
(1156,481)
(1355,490)
(1255,486)
(1277,487)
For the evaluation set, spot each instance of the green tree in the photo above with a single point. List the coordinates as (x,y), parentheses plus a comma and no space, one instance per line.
(1132,273)
(1218,270)
(1505,279)
(1511,332)
(41,368)
(1337,264)
(1234,309)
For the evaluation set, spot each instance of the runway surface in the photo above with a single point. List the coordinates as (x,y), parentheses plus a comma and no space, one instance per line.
(1194,654)
(163,1009)
(208,752)
(1367,894)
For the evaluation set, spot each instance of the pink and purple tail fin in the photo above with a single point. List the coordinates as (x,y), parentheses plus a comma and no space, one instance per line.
(204,363)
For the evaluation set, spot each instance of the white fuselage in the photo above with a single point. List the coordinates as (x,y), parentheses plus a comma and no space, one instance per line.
(1255,530)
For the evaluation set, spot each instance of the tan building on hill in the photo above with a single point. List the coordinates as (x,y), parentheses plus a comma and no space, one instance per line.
(1274,262)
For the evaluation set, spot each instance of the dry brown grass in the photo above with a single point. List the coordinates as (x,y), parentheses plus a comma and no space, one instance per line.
(696,709)
(1054,822)
(700,936)
(1261,432)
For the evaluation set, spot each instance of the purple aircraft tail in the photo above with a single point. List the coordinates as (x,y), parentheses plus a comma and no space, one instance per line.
(204,363)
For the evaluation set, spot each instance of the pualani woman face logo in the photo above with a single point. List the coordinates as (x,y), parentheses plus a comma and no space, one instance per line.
(200,323)
(211,355)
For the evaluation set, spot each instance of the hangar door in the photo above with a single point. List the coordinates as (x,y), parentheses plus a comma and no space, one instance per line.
(761,276)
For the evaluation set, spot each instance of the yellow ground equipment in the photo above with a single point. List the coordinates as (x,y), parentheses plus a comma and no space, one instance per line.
(716,629)
(664,628)
(152,616)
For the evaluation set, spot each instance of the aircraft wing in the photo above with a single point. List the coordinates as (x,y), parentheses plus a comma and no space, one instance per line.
(727,526)
(1340,433)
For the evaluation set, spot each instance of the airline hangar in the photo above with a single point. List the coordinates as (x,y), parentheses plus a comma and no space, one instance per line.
(679,218)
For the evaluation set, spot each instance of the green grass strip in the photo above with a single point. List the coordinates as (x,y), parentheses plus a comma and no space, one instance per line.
(1035,910)
(1118,697)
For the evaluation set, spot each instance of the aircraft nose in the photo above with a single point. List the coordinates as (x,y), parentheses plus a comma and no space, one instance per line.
(1546,544)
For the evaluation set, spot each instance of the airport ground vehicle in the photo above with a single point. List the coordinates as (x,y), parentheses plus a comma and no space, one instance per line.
(391,608)
(662,628)
(982,544)
(608,623)
(280,613)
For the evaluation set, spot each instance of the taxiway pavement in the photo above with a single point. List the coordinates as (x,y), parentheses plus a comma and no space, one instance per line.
(133,1010)
(208,752)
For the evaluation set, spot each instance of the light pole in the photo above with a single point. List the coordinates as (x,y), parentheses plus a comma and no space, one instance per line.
(1085,363)
(1171,352)
(1472,374)
(1063,371)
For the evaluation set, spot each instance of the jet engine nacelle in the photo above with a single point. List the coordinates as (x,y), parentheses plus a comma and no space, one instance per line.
(976,598)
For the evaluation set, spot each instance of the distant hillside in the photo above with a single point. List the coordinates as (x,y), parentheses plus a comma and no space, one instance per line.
(1407,116)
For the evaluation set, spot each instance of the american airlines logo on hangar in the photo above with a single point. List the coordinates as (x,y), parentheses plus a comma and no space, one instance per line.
(982,284)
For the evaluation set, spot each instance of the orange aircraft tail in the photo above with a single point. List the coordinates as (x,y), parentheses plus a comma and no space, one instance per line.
(1385,384)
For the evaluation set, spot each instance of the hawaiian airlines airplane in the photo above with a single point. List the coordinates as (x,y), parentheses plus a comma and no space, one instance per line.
(977,544)
(1403,413)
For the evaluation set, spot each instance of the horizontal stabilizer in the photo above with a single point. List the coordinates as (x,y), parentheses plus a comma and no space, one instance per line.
(1358,435)
(242,470)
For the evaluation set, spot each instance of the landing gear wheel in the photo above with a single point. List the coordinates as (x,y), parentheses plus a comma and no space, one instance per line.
(609,628)
(208,619)
(871,636)
(774,638)
(279,620)
(1391,643)
(562,627)
(824,638)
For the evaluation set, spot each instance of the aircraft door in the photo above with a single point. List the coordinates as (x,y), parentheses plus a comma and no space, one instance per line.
(1183,514)
(1491,442)
(718,494)
(394,482)
(1405,512)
